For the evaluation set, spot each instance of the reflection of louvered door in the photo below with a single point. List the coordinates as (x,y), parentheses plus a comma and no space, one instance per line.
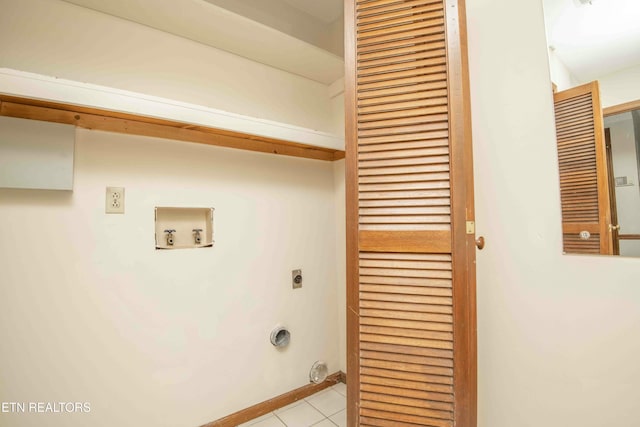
(584,185)
(411,274)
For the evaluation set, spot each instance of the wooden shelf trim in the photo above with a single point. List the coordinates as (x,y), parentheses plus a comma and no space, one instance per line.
(629,236)
(621,108)
(132,124)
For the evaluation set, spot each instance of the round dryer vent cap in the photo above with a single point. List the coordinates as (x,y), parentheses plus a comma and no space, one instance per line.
(280,337)
(318,372)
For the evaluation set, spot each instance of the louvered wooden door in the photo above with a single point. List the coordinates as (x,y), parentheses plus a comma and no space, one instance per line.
(411,258)
(584,181)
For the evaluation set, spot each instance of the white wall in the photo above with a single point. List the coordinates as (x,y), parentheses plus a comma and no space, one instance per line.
(336,92)
(335,37)
(341,260)
(557,334)
(560,74)
(336,95)
(90,311)
(625,163)
(166,338)
(59,39)
(620,87)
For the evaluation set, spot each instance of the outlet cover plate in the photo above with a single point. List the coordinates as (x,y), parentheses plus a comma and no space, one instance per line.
(296,279)
(114,201)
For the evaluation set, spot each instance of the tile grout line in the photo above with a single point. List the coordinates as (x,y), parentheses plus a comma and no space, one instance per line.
(280,419)
(325,419)
(317,409)
(304,400)
(326,416)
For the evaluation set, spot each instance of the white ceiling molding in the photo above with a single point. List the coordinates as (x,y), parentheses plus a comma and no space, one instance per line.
(220,28)
(36,86)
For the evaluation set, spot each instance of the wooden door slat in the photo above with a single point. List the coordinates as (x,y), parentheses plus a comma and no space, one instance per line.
(401,98)
(409,358)
(369,415)
(408,10)
(405,54)
(415,351)
(431,26)
(386,48)
(395,78)
(389,24)
(406,401)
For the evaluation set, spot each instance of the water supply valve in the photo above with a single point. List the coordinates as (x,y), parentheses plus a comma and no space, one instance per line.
(197,238)
(170,239)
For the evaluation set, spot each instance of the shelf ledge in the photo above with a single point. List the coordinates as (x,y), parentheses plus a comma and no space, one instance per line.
(36,97)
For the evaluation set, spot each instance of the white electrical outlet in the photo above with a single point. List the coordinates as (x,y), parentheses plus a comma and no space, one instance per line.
(115,200)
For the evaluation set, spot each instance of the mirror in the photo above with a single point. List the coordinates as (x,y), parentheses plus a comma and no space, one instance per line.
(622,139)
(595,69)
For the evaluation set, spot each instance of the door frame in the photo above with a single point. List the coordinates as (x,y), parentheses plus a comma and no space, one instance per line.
(352,226)
(462,214)
(615,232)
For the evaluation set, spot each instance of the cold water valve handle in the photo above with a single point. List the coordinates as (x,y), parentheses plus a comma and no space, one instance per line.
(170,236)
(196,235)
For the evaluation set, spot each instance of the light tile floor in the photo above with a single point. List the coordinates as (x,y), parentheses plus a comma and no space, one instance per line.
(326,408)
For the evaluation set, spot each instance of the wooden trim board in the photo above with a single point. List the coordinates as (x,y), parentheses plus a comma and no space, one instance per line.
(621,108)
(463,202)
(133,124)
(571,228)
(271,405)
(352,206)
(435,242)
(629,237)
(604,202)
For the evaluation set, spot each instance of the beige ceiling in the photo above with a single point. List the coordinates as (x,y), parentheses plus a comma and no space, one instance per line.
(327,11)
(302,19)
(226,29)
